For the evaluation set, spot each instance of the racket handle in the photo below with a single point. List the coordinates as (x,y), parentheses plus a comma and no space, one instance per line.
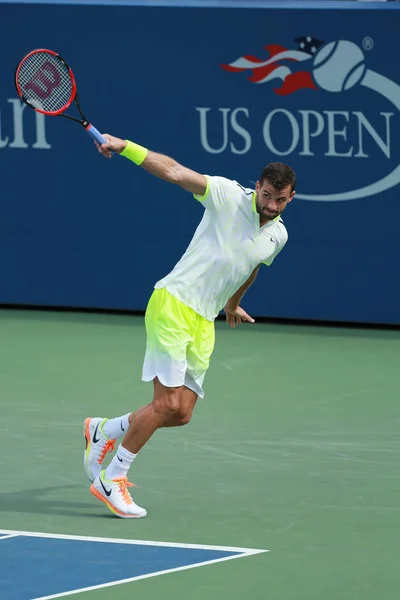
(96,135)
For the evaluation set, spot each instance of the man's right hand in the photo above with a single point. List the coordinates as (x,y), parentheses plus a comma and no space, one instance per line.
(113,144)
(236,315)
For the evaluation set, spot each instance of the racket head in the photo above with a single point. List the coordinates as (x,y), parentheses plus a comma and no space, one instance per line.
(45,82)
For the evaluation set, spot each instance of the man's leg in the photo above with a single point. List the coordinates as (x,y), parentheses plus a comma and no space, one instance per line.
(171,329)
(187,403)
(171,407)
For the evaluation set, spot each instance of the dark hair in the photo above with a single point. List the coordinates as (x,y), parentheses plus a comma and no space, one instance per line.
(279,175)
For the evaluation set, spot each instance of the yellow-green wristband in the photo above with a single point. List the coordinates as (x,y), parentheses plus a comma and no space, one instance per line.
(134,152)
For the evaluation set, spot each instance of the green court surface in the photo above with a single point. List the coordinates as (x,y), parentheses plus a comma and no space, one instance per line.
(295,449)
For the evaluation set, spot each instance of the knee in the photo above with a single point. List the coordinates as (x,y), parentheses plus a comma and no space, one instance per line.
(167,404)
(177,419)
(170,409)
(181,418)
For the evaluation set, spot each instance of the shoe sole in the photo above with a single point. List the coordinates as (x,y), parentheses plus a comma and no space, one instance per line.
(113,508)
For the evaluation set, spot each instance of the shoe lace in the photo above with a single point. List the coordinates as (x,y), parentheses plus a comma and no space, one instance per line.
(108,447)
(123,488)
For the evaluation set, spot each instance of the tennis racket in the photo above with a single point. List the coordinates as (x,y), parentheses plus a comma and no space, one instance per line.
(46,83)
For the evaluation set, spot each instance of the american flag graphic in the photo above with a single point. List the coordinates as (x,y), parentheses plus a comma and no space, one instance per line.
(275,67)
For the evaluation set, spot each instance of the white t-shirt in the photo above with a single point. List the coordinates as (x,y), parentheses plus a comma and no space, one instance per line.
(227,246)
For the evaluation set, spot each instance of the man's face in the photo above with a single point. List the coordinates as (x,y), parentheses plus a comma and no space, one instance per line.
(271,202)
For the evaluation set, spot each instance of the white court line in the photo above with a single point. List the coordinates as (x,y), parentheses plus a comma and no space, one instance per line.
(241,552)
(83,538)
(8,536)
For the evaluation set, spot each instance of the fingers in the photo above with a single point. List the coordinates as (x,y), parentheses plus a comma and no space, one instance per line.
(242,317)
(104,149)
(107,146)
(246,317)
(236,318)
(231,321)
(105,152)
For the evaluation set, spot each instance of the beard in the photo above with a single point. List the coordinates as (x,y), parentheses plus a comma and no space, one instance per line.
(266,214)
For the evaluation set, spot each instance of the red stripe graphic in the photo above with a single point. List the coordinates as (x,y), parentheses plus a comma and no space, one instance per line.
(296,81)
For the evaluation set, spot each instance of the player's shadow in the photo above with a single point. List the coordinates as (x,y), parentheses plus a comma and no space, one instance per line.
(37,501)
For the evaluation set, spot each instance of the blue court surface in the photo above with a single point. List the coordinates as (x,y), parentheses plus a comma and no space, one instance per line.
(38,566)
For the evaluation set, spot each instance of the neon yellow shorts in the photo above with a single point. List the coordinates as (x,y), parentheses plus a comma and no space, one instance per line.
(179,343)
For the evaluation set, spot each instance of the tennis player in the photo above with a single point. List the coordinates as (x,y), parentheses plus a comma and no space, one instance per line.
(240,230)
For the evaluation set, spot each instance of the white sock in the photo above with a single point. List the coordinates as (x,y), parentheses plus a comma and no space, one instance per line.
(116,428)
(119,466)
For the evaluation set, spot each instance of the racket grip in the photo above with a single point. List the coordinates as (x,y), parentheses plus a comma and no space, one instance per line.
(96,135)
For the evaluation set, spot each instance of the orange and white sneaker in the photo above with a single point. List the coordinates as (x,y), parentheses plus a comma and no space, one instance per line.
(97,446)
(115,494)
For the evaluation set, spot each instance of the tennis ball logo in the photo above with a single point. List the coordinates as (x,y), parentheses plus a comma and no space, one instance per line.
(339,66)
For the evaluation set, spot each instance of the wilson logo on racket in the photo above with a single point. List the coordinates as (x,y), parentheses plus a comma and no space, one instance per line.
(46,83)
(43,82)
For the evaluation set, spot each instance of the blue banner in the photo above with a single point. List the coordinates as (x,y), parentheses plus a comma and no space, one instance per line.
(223,91)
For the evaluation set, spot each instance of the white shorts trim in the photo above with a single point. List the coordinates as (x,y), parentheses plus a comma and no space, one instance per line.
(171,373)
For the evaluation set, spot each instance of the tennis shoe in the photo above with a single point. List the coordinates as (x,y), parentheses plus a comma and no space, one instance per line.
(114,493)
(98,445)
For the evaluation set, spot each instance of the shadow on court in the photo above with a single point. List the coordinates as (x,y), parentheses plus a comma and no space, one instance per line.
(36,501)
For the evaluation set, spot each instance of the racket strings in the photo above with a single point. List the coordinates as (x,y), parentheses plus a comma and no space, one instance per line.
(45,82)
